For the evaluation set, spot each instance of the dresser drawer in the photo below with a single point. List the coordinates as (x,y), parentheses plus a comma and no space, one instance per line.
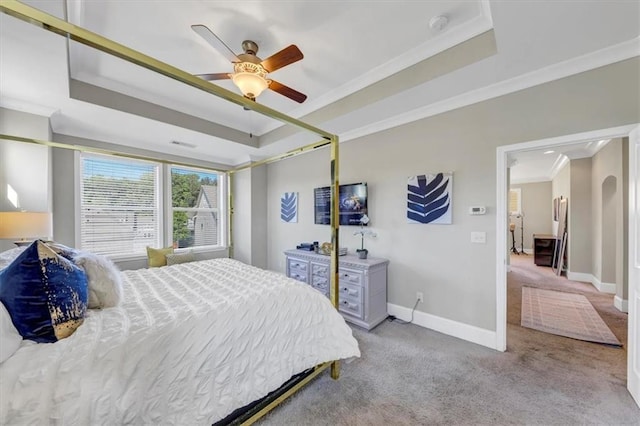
(297,275)
(350,306)
(319,270)
(350,291)
(350,277)
(298,265)
(320,283)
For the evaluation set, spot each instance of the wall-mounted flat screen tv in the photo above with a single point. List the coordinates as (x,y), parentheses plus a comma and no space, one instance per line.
(352,206)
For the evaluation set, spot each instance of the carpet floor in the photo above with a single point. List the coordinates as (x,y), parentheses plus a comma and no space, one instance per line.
(409,375)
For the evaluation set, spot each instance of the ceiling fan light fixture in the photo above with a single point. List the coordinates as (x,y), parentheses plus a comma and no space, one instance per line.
(250,78)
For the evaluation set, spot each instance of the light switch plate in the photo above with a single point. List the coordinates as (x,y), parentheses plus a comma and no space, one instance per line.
(479,237)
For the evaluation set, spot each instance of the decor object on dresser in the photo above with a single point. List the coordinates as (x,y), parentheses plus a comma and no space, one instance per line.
(362,252)
(289,207)
(429,198)
(362,284)
(25,225)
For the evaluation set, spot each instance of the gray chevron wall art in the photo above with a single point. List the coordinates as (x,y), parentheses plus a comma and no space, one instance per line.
(429,198)
(289,207)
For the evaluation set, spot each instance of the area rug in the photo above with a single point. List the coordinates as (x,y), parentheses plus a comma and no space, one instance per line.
(564,314)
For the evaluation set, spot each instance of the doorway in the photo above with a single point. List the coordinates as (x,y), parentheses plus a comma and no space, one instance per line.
(502,247)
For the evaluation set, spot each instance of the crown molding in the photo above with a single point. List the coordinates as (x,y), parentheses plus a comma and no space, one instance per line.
(612,54)
(558,165)
(28,107)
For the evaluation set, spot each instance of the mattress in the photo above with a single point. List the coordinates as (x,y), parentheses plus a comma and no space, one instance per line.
(188,345)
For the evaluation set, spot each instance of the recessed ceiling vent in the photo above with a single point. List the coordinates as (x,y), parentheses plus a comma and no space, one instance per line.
(185,144)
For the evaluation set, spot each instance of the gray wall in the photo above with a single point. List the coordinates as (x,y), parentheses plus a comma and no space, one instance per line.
(609,253)
(457,277)
(536,202)
(250,216)
(579,244)
(26,167)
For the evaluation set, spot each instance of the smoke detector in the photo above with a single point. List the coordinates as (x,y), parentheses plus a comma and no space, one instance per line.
(438,23)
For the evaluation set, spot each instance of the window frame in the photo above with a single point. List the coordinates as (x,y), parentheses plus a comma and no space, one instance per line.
(222,209)
(164,200)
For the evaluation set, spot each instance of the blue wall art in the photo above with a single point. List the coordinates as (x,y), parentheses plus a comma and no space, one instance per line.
(429,198)
(289,207)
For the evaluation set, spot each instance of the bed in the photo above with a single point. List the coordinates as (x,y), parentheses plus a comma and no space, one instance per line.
(189,344)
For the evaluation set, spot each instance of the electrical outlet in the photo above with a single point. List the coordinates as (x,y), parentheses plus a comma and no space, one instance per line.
(420,296)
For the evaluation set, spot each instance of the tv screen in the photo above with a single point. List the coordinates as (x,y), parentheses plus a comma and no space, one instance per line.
(352,204)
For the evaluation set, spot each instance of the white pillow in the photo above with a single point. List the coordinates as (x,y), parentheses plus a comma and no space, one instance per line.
(6,257)
(105,281)
(10,339)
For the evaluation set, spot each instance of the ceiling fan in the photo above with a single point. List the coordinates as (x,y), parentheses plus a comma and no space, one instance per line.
(249,71)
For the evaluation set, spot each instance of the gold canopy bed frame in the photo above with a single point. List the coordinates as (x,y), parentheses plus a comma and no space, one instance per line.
(72,32)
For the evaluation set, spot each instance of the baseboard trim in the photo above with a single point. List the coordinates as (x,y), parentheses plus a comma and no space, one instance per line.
(621,304)
(609,288)
(449,327)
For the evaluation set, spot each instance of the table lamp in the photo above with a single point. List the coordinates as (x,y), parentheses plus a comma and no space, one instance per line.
(25,225)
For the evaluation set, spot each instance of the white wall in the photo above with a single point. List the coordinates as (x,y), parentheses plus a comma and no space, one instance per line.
(26,167)
(536,206)
(456,276)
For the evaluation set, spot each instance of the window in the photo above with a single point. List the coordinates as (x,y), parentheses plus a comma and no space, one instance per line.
(195,199)
(515,202)
(121,208)
(119,205)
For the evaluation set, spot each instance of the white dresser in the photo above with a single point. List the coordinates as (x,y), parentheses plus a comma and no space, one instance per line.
(362,283)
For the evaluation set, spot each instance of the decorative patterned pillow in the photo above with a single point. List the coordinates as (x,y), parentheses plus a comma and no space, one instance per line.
(103,276)
(176,258)
(45,294)
(157,257)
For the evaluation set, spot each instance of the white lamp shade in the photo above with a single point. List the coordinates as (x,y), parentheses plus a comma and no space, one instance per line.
(25,225)
(250,84)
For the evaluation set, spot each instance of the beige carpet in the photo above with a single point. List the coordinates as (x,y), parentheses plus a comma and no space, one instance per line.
(564,314)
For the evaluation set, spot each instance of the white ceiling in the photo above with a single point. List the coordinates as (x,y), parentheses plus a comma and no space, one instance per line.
(542,165)
(349,47)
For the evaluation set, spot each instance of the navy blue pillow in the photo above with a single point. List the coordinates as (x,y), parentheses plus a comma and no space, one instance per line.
(45,294)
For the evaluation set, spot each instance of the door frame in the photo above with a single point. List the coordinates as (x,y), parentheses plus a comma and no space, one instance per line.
(502,219)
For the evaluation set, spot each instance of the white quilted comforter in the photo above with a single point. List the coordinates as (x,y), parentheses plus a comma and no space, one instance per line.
(189,344)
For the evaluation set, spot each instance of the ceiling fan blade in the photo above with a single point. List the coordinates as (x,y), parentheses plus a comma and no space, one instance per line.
(215,76)
(287,91)
(286,56)
(214,41)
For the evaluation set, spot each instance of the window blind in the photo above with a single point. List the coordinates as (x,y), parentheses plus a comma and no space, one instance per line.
(119,206)
(514,201)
